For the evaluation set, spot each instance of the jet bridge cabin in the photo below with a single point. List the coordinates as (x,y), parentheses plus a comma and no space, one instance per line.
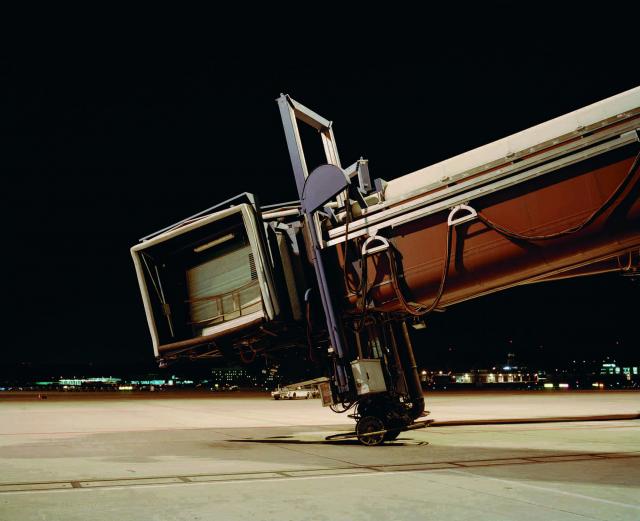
(206,279)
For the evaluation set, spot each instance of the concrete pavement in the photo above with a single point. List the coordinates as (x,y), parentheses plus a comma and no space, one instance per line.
(241,457)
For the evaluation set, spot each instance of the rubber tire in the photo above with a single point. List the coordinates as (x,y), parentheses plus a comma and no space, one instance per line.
(370,424)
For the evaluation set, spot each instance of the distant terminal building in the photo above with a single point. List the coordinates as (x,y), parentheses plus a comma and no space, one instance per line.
(110,383)
(486,376)
(611,368)
(222,377)
(504,373)
(99,383)
(226,377)
(99,380)
(614,375)
(479,377)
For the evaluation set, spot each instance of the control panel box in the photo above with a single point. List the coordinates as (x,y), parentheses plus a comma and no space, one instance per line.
(325,394)
(368,376)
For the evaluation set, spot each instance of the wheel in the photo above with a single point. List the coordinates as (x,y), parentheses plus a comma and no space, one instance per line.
(306,396)
(370,424)
(392,413)
(276,397)
(293,395)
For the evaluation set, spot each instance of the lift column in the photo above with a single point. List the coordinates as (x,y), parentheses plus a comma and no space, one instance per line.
(315,190)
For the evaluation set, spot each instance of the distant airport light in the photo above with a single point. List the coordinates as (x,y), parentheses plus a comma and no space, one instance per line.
(213,243)
(548,386)
(125,388)
(563,386)
(506,368)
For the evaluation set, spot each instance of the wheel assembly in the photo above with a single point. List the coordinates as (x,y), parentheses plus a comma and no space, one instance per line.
(370,431)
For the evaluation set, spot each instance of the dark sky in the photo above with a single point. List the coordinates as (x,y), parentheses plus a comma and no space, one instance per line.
(104,143)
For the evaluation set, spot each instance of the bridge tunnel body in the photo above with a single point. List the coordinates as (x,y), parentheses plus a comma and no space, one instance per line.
(483,260)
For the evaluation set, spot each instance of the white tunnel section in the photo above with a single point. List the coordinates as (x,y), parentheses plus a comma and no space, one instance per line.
(561,128)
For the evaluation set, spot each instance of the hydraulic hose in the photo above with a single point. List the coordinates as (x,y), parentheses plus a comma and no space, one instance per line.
(573,229)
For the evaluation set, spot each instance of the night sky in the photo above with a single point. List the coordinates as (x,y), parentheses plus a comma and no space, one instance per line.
(103,144)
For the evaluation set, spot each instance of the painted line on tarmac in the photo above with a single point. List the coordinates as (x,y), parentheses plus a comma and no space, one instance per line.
(547,489)
(119,483)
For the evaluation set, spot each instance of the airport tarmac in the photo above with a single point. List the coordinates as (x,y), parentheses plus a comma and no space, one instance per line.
(235,456)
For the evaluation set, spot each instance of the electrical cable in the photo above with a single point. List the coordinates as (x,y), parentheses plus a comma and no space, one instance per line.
(345,407)
(420,310)
(574,229)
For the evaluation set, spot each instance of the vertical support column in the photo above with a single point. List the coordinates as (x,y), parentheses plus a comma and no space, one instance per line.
(290,111)
(325,296)
(412,376)
(402,381)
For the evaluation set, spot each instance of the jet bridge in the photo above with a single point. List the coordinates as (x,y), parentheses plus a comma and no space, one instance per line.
(336,277)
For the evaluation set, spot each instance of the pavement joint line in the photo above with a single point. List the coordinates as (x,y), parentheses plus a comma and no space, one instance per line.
(461,471)
(378,468)
(350,463)
(209,483)
(291,474)
(620,456)
(327,472)
(127,482)
(231,478)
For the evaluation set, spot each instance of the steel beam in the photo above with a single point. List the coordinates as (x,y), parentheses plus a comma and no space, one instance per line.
(290,112)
